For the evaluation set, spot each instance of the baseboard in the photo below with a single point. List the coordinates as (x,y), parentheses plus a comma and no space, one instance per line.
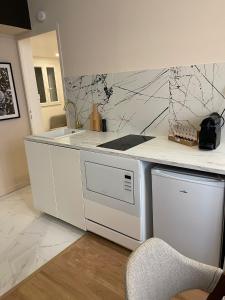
(14,187)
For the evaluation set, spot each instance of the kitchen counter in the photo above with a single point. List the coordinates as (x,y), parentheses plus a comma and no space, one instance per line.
(159,150)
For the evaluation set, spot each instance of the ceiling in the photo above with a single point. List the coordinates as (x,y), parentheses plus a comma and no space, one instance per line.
(45,45)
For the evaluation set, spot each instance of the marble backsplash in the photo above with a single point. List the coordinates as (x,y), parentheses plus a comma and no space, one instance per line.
(147,102)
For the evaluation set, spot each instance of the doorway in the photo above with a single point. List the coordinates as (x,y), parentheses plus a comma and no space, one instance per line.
(40,61)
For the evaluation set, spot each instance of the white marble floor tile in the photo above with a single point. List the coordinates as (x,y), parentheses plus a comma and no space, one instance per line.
(28,239)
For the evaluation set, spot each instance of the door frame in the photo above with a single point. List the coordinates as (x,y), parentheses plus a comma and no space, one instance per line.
(30,85)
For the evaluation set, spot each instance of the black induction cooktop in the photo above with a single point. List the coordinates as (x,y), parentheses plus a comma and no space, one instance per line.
(126,142)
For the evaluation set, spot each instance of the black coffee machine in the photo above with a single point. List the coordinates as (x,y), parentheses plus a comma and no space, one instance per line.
(210,133)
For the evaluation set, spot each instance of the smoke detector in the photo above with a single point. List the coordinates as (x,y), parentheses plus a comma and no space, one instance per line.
(41,16)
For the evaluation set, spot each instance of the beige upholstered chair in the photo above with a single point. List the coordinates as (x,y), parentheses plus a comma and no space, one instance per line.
(156,271)
(57,121)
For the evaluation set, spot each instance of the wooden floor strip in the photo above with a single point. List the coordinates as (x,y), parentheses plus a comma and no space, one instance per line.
(91,268)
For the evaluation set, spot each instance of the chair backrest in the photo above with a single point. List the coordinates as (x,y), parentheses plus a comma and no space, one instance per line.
(155,271)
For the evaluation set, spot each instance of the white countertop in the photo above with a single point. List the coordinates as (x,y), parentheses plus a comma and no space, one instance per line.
(159,150)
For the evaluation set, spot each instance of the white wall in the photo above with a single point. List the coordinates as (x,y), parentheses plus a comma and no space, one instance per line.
(120,35)
(56,109)
(13,167)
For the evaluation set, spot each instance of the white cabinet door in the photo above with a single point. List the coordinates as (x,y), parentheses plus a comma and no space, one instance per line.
(68,186)
(188,214)
(40,170)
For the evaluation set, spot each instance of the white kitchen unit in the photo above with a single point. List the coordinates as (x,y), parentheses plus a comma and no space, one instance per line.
(188,212)
(40,171)
(68,186)
(56,181)
(117,197)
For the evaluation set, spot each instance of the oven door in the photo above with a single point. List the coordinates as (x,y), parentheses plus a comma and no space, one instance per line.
(109,181)
(111,192)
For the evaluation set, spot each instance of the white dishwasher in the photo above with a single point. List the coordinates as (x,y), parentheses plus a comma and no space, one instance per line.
(117,197)
(188,212)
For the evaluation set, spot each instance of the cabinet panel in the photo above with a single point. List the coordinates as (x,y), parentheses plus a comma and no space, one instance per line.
(40,171)
(68,186)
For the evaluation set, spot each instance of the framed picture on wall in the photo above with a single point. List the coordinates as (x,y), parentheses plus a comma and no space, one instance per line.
(8,100)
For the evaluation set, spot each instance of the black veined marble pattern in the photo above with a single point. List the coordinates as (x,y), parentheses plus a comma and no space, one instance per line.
(148,101)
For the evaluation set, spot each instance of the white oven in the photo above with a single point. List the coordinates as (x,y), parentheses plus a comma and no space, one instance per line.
(117,197)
